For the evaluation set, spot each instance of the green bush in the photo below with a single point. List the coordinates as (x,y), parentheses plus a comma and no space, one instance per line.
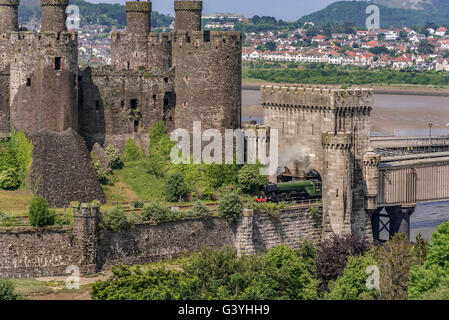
(175,188)
(113,156)
(16,155)
(249,178)
(158,213)
(115,220)
(39,213)
(200,210)
(230,207)
(132,152)
(7,290)
(352,284)
(9,179)
(281,273)
(433,275)
(102,174)
(137,204)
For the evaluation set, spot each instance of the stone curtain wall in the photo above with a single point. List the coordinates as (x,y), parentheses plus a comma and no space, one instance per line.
(30,252)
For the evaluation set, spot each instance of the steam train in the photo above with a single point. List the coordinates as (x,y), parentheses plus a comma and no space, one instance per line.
(290,191)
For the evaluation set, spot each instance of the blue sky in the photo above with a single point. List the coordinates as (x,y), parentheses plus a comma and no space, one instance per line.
(285,9)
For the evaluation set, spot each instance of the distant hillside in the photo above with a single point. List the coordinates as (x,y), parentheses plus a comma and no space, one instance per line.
(102,13)
(424,11)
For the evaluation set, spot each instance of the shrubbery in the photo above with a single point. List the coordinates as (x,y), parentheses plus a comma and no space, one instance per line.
(432,278)
(132,152)
(175,188)
(7,290)
(282,273)
(39,213)
(113,156)
(249,178)
(333,256)
(158,213)
(115,220)
(230,207)
(16,155)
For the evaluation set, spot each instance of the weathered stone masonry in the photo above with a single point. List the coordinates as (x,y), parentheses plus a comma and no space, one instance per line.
(167,77)
(30,252)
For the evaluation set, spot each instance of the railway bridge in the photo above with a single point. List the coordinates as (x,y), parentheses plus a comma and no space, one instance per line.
(403,182)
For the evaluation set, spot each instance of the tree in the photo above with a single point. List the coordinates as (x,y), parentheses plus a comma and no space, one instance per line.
(352,284)
(249,178)
(132,152)
(230,207)
(114,220)
(175,188)
(395,260)
(39,213)
(333,256)
(425,47)
(433,275)
(113,156)
(270,45)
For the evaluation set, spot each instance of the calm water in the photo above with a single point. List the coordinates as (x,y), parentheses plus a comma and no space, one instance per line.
(427,216)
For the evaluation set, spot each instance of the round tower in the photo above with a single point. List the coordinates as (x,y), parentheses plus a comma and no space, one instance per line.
(8,16)
(160,52)
(54,16)
(337,192)
(43,85)
(208,79)
(188,15)
(138,17)
(371,162)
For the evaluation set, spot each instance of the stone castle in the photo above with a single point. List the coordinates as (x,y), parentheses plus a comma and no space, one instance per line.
(180,77)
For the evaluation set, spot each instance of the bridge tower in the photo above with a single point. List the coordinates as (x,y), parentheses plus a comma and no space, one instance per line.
(337,183)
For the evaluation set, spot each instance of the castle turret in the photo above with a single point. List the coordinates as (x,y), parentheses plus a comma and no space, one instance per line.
(54,16)
(8,16)
(208,79)
(337,191)
(44,82)
(188,15)
(371,162)
(138,17)
(129,50)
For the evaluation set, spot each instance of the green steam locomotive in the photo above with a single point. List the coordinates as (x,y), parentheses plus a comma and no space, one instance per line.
(291,191)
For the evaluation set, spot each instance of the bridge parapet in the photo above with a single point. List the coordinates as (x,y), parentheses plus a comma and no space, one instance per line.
(316,96)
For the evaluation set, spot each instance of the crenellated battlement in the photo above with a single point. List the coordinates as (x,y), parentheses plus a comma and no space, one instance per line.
(162,37)
(311,95)
(31,39)
(208,39)
(54,3)
(138,6)
(339,141)
(371,159)
(188,5)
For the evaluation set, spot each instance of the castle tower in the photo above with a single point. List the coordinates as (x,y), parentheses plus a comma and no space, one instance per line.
(8,16)
(54,16)
(44,81)
(337,182)
(129,50)
(208,79)
(188,15)
(8,24)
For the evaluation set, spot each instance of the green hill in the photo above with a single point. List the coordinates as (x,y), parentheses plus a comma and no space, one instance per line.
(436,11)
(102,13)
